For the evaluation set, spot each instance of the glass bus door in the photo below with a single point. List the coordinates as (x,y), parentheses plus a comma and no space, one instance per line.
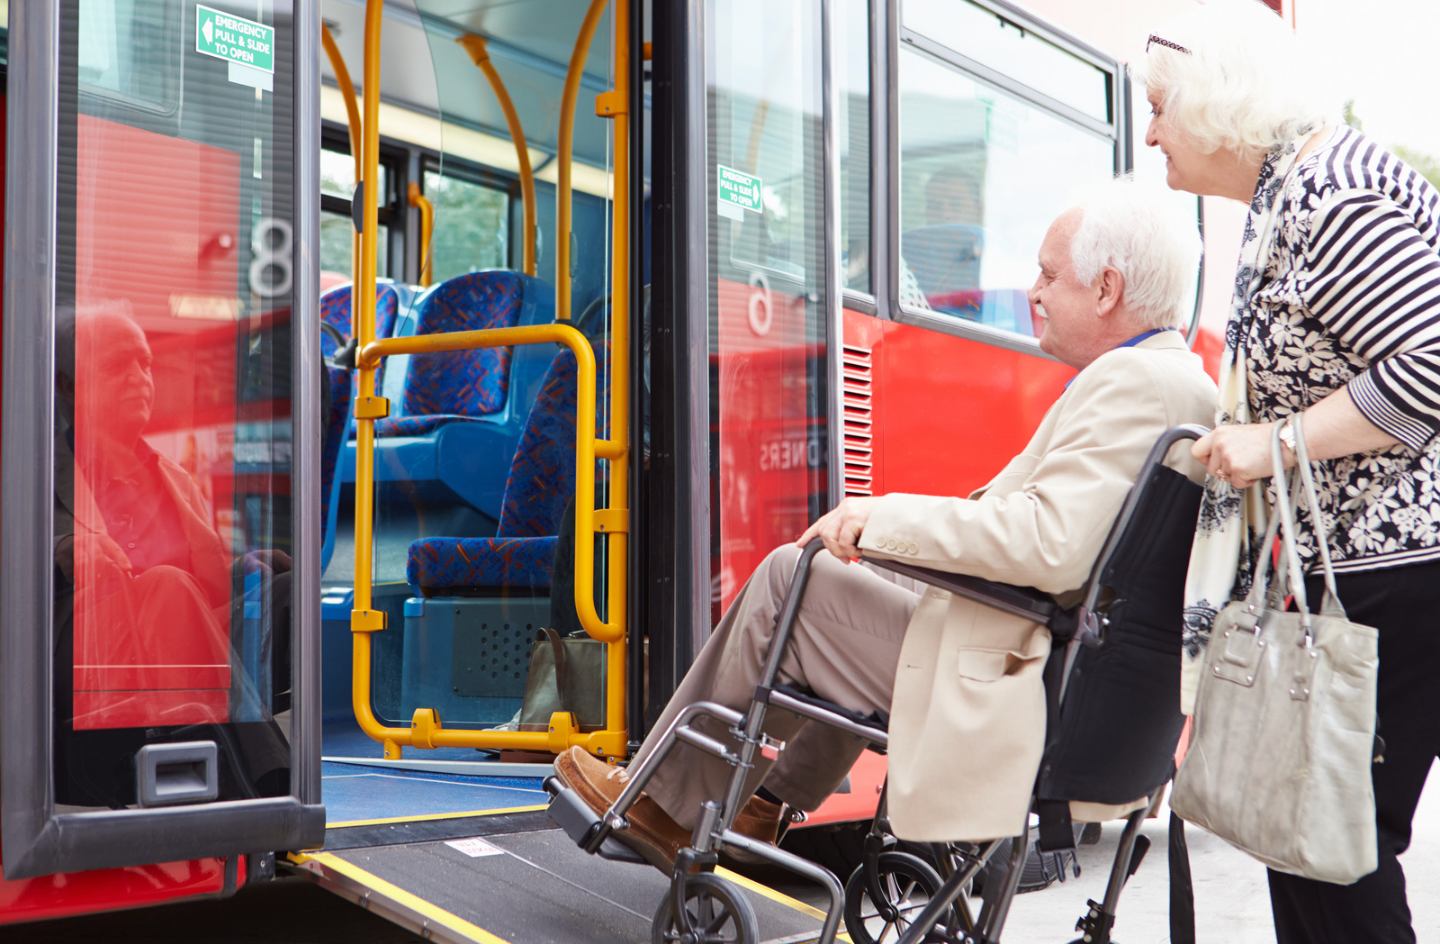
(158,439)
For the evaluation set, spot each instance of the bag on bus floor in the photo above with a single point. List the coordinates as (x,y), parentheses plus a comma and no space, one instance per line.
(567,673)
(1284,736)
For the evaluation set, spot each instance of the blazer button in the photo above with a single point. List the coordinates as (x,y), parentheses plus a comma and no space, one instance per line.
(914,548)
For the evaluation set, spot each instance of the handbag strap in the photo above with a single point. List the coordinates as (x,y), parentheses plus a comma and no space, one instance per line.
(1304,489)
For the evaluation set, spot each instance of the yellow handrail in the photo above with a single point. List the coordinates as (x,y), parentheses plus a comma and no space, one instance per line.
(368,407)
(565,146)
(616,104)
(427,233)
(426,730)
(352,112)
(480,55)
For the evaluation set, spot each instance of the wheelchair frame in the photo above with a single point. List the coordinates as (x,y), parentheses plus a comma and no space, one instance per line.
(1085,624)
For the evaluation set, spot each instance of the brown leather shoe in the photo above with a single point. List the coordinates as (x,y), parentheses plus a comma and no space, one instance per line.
(652,832)
(758,819)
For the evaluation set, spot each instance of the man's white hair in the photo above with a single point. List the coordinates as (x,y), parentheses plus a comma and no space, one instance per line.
(1244,84)
(1138,229)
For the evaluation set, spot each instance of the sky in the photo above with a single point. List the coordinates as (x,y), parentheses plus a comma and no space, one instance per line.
(1384,55)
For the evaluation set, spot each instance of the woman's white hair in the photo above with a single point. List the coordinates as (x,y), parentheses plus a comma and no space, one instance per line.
(1243,83)
(1140,231)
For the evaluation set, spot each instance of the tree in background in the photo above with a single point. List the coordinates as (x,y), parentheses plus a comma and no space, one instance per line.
(1427,165)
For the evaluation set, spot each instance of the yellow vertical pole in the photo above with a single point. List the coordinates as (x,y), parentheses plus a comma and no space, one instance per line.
(615,105)
(427,233)
(352,114)
(480,55)
(565,147)
(363,619)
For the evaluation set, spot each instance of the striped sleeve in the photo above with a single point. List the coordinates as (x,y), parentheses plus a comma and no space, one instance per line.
(1374,281)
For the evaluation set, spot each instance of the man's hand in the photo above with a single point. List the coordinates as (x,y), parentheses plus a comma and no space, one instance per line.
(1239,455)
(840,529)
(266,563)
(98,549)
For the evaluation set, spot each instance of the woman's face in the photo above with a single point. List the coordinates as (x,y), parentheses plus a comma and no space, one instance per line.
(1186,166)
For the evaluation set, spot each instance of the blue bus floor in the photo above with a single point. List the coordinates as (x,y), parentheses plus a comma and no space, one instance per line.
(358,785)
(353,793)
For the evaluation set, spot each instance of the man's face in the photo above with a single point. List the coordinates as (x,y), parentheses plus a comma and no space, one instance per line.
(115,392)
(1068,308)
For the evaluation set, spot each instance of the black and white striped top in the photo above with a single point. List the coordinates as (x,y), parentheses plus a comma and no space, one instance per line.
(1351,297)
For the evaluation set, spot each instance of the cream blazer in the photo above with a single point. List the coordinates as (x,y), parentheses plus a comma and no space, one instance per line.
(967,723)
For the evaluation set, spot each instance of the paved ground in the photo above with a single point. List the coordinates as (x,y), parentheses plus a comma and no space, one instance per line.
(1231,901)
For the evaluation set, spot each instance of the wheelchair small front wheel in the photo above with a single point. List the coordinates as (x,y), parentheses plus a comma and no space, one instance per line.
(907,883)
(715,913)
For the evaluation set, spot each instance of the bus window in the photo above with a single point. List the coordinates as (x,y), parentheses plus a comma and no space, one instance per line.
(767,346)
(991,40)
(471,231)
(852,76)
(337,186)
(172,448)
(982,174)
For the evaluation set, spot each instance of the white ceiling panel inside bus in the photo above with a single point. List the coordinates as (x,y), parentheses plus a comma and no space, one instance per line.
(529,43)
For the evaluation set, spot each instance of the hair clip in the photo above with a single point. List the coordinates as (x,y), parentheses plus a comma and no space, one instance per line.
(1166,43)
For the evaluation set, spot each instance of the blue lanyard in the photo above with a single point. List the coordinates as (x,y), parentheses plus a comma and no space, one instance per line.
(1131,343)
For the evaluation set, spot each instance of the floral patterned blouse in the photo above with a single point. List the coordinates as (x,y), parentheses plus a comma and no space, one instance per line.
(1350,296)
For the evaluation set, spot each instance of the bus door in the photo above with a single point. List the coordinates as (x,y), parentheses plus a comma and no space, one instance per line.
(746,308)
(478,508)
(161,384)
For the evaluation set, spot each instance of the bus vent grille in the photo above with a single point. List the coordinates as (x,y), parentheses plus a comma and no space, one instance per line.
(856,402)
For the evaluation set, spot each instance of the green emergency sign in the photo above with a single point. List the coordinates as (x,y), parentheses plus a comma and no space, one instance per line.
(736,192)
(234,39)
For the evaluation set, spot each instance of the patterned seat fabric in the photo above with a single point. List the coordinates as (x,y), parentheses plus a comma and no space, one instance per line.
(459,385)
(541,482)
(335,311)
(335,435)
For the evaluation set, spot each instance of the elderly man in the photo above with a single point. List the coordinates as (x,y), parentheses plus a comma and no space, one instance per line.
(961,682)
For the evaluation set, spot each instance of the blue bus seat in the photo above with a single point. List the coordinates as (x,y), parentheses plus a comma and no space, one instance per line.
(540,484)
(335,311)
(457,416)
(338,426)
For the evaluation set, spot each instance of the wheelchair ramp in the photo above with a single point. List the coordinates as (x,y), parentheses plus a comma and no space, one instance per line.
(514,879)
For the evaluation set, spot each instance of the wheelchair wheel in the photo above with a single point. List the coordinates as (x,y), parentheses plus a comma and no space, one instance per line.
(908,883)
(715,913)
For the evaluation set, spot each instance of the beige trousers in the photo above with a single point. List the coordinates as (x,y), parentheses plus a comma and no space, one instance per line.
(844,647)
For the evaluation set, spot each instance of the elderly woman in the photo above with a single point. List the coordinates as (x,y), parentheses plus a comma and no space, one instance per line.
(1336,313)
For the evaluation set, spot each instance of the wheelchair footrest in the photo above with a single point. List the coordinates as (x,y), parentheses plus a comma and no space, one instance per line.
(575,816)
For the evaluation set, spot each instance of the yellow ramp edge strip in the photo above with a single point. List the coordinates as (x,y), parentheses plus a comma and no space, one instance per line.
(765,891)
(430,817)
(433,916)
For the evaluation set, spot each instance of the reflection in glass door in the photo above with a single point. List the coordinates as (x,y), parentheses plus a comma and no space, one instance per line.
(768,294)
(173,437)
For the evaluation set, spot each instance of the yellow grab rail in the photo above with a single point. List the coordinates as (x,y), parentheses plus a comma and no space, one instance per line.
(480,55)
(427,233)
(565,146)
(426,730)
(352,113)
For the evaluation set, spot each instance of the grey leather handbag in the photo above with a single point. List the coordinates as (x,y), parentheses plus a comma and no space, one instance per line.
(1284,737)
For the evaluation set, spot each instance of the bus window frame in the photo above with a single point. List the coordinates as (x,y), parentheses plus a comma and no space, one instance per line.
(1116,131)
(392,212)
(38,840)
(479,175)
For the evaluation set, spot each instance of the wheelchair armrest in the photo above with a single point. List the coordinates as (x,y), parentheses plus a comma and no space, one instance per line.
(1025,602)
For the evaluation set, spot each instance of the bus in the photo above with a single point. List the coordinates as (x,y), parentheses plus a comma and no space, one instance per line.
(349,346)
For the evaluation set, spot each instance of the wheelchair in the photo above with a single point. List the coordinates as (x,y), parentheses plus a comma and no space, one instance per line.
(1105,743)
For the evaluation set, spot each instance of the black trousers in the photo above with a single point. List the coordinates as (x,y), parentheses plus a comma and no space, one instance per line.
(1403,603)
